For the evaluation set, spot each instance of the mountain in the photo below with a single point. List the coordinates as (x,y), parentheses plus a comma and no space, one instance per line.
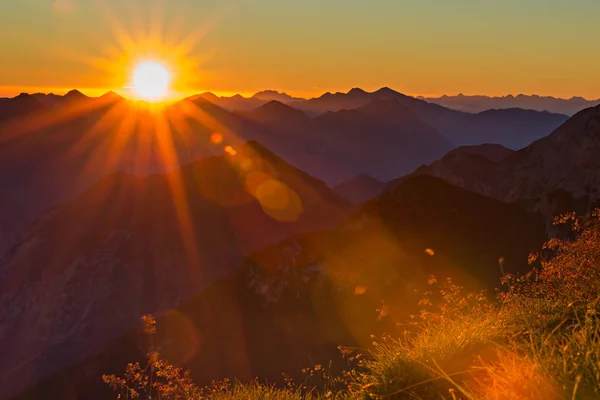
(51,153)
(232,103)
(75,95)
(469,167)
(19,107)
(492,152)
(384,135)
(132,245)
(513,128)
(383,139)
(308,294)
(566,160)
(509,126)
(276,113)
(476,104)
(359,189)
(48,99)
(268,95)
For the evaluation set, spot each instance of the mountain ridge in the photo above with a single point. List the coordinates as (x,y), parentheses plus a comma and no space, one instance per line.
(478,103)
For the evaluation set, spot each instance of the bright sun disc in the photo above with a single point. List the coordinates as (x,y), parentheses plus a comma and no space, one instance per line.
(151,81)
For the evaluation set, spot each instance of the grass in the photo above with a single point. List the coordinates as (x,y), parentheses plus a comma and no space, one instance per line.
(538,340)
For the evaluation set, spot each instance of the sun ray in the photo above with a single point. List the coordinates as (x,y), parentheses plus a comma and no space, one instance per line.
(178,192)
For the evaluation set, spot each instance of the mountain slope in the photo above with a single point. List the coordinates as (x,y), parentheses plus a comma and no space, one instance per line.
(565,160)
(359,189)
(306,295)
(383,139)
(130,245)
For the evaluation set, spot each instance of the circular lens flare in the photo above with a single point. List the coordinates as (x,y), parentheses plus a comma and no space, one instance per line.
(151,81)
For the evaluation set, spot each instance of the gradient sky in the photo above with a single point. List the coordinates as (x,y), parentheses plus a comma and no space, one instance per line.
(305,47)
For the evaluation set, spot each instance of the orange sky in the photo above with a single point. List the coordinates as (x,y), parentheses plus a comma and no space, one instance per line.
(428,47)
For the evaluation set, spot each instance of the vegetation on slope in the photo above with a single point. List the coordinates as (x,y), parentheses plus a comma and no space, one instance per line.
(538,338)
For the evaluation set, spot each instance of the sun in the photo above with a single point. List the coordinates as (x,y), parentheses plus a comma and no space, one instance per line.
(151,81)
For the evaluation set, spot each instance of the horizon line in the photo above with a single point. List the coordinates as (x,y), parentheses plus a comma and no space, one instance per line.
(14,91)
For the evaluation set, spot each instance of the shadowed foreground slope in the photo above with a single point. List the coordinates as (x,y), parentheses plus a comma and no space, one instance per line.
(292,304)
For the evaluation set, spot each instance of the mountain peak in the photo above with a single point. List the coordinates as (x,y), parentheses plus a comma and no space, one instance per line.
(356,91)
(208,95)
(268,95)
(276,111)
(386,90)
(111,95)
(75,94)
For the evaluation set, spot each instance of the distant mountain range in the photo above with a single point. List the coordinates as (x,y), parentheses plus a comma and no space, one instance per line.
(476,104)
(514,128)
(54,147)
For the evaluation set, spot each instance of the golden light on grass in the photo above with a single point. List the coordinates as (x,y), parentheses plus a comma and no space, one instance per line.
(151,81)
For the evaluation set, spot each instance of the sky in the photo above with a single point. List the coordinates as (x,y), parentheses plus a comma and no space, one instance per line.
(305,47)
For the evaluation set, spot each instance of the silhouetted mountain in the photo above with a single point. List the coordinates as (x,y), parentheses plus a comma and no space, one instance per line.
(475,104)
(49,99)
(111,96)
(309,294)
(75,95)
(51,154)
(131,245)
(19,107)
(233,103)
(268,95)
(382,139)
(276,113)
(384,136)
(359,189)
(565,160)
(512,128)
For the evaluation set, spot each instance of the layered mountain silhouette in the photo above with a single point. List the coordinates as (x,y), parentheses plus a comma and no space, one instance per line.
(304,296)
(511,127)
(52,150)
(567,160)
(233,103)
(268,95)
(130,245)
(476,104)
(383,139)
(219,219)
(19,107)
